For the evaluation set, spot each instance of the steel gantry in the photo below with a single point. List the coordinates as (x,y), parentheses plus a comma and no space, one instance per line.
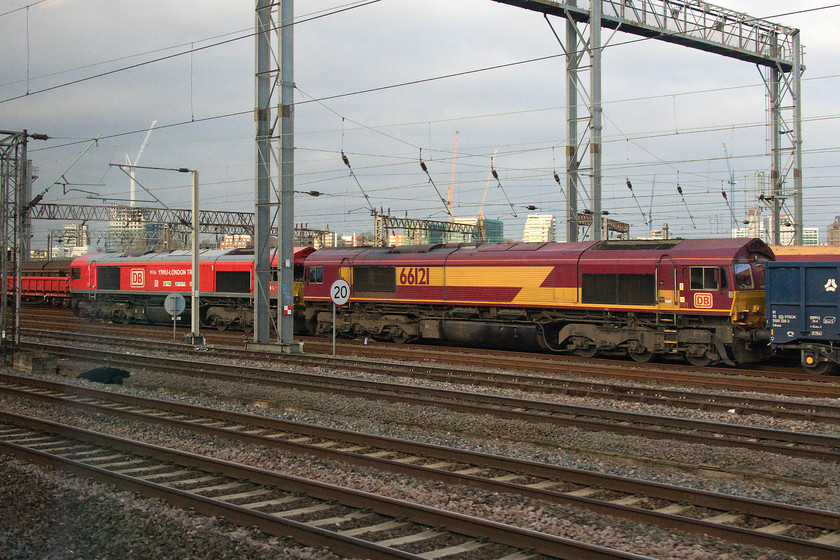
(274,138)
(15,192)
(384,224)
(12,178)
(176,220)
(775,48)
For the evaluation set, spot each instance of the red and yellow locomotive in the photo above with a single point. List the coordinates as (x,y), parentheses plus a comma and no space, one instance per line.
(701,299)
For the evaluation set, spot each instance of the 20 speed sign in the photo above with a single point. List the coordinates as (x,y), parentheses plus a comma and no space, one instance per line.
(340,292)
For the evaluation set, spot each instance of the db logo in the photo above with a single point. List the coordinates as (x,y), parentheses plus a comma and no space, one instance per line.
(703,301)
(137,278)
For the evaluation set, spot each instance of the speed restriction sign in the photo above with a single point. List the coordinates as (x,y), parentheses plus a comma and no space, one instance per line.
(340,292)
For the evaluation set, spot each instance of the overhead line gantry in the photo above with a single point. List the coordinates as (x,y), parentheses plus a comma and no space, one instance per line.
(774,48)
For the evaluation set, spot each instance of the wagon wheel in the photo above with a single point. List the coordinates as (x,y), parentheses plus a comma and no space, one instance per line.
(641,357)
(248,327)
(818,368)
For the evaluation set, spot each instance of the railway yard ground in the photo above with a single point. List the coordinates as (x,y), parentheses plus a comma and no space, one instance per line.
(382,453)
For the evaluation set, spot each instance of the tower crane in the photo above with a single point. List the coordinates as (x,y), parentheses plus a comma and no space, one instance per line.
(131,164)
(731,185)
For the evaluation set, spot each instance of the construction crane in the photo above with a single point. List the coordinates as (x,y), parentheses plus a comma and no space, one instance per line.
(452,178)
(131,165)
(487,185)
(731,185)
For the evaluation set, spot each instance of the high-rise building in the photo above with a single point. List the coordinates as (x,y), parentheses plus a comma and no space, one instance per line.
(787,233)
(72,241)
(540,228)
(834,232)
(494,230)
(762,228)
(237,241)
(130,230)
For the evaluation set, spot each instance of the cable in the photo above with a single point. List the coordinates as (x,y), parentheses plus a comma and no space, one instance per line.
(23,7)
(189,51)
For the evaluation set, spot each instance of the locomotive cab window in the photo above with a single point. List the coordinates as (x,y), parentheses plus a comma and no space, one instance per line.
(316,275)
(744,276)
(705,278)
(76,273)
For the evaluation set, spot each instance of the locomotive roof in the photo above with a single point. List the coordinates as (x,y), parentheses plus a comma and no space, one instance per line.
(184,255)
(167,256)
(712,249)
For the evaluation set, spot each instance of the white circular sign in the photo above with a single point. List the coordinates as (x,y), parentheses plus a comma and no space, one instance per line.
(340,292)
(174,304)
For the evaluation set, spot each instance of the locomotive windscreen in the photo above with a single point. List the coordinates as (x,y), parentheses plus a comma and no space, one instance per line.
(619,289)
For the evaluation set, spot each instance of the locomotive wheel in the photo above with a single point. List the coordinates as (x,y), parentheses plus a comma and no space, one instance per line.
(399,336)
(699,361)
(640,357)
(588,352)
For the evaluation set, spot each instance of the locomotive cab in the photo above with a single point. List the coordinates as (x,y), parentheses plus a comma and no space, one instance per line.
(748,309)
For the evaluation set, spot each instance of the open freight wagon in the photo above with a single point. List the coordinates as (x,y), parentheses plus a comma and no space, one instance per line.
(803,311)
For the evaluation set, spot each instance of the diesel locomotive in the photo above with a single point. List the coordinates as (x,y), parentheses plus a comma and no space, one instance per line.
(698,299)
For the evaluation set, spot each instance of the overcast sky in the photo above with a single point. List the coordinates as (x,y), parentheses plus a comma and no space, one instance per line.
(668,110)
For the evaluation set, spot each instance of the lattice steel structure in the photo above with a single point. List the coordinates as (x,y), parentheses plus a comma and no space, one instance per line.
(13,181)
(274,139)
(608,226)
(176,220)
(774,48)
(385,224)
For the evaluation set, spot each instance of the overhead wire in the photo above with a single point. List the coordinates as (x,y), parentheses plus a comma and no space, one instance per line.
(407,83)
(188,51)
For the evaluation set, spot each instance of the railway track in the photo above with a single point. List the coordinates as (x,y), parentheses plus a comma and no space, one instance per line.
(795,444)
(349,522)
(801,531)
(527,381)
(789,382)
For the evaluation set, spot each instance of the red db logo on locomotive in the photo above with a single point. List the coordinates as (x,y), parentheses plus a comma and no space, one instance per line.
(137,278)
(703,301)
